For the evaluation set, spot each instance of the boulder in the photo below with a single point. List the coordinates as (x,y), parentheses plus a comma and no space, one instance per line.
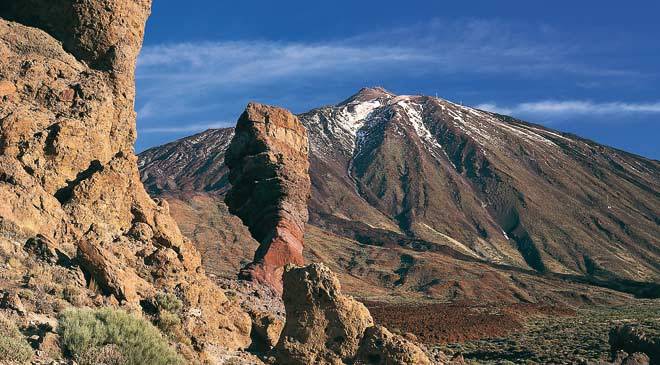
(637,358)
(42,248)
(269,174)
(266,327)
(323,326)
(380,347)
(11,300)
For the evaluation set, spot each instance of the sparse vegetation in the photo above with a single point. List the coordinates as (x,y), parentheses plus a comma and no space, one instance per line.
(13,346)
(560,339)
(85,332)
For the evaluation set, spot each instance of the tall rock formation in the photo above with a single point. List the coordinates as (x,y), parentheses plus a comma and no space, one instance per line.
(68,173)
(269,174)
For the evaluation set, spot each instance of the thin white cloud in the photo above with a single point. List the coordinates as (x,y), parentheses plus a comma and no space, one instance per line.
(570,108)
(493,107)
(207,80)
(195,127)
(181,73)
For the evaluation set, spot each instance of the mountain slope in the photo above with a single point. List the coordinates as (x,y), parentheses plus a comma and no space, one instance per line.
(427,175)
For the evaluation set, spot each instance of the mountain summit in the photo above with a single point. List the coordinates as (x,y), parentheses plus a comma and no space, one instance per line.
(487,185)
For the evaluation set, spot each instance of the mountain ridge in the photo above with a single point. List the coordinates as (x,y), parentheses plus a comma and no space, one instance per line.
(421,171)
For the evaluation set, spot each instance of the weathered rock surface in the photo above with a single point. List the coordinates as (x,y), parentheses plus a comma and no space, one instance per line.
(324,326)
(637,358)
(267,327)
(269,174)
(381,347)
(68,174)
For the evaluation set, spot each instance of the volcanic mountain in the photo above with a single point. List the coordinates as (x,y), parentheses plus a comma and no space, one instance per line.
(420,194)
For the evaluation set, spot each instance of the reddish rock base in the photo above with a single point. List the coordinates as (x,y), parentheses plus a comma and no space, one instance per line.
(285,248)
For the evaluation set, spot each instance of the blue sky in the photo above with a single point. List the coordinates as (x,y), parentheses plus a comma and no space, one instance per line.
(587,67)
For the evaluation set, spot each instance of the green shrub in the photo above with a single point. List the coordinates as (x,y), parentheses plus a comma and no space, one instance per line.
(167,321)
(137,340)
(168,302)
(13,346)
(106,355)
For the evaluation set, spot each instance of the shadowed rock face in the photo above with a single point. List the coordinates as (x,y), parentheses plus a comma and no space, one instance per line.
(269,174)
(68,173)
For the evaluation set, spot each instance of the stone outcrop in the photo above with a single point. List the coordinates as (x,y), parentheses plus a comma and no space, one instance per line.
(324,326)
(381,347)
(69,183)
(269,173)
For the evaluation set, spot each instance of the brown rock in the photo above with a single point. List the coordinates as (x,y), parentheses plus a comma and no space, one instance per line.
(113,275)
(269,173)
(49,344)
(380,347)
(11,300)
(637,358)
(323,326)
(42,248)
(67,167)
(267,327)
(7,88)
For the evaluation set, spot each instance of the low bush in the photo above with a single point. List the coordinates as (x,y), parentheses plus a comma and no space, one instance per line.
(138,341)
(168,302)
(106,355)
(13,346)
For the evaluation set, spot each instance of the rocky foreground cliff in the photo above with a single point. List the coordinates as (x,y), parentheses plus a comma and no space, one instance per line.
(75,217)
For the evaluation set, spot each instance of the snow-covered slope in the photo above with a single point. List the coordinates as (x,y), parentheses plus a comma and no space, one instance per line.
(487,185)
(429,175)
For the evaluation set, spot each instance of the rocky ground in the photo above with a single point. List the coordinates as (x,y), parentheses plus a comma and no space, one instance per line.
(578,338)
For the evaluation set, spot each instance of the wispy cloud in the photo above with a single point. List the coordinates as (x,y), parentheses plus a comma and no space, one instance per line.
(555,109)
(180,84)
(194,127)
(175,78)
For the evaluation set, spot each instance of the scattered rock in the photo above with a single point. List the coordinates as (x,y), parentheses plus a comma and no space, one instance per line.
(50,345)
(7,88)
(269,174)
(637,358)
(11,300)
(42,248)
(141,232)
(380,347)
